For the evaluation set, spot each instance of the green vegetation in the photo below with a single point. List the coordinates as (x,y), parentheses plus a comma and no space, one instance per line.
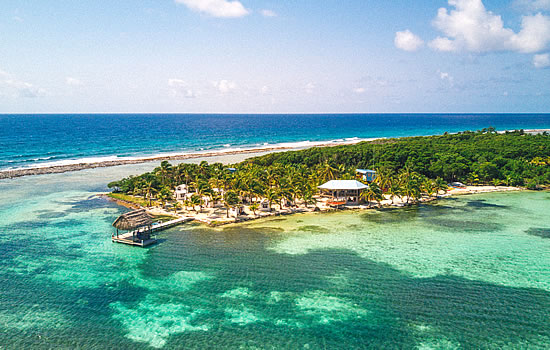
(406,168)
(128,198)
(483,157)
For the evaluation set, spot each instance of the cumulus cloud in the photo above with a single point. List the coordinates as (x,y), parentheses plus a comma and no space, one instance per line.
(216,8)
(407,41)
(181,88)
(541,61)
(225,86)
(11,86)
(471,27)
(268,13)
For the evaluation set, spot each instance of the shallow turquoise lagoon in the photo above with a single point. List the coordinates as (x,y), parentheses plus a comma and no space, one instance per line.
(467,272)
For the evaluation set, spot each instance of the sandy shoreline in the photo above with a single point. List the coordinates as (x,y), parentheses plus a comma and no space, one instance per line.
(56,169)
(216,216)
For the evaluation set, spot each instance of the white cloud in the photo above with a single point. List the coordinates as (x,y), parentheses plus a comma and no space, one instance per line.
(225,86)
(446,77)
(407,41)
(268,13)
(359,90)
(534,5)
(541,61)
(264,90)
(309,87)
(181,88)
(11,86)
(471,27)
(176,82)
(216,8)
(73,81)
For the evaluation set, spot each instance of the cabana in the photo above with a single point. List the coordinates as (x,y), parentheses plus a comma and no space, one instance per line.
(366,174)
(138,226)
(342,192)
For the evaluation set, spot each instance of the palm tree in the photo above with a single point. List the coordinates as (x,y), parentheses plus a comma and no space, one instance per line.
(149,190)
(428,187)
(164,171)
(410,184)
(307,197)
(203,169)
(229,200)
(187,203)
(196,201)
(271,196)
(164,195)
(440,185)
(394,189)
(254,206)
(176,206)
(383,179)
(372,193)
(327,172)
(215,197)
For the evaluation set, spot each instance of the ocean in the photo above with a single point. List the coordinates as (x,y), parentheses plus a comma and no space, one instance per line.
(42,140)
(468,272)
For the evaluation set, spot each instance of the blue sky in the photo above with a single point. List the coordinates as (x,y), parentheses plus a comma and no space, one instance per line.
(285,56)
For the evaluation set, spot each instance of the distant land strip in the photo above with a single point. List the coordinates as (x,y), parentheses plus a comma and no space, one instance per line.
(56,169)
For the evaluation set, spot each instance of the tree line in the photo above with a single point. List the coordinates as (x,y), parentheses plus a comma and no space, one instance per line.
(406,168)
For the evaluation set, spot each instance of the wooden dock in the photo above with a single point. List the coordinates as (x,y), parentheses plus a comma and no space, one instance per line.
(130,237)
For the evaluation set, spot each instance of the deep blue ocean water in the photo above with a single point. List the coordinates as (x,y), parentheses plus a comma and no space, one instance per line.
(30,140)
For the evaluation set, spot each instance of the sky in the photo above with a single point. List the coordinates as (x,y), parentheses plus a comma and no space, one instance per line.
(274,56)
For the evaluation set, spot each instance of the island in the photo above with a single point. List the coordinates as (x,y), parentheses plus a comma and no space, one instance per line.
(383,172)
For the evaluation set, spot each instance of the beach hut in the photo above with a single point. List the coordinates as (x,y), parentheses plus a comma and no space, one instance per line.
(342,192)
(366,174)
(138,226)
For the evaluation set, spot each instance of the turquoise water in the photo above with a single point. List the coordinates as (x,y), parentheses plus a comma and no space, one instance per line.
(468,272)
(56,139)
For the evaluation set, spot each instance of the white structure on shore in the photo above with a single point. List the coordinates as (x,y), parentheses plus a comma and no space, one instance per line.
(182,193)
(342,192)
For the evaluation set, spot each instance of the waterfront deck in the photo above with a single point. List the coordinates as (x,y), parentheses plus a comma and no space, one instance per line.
(131,237)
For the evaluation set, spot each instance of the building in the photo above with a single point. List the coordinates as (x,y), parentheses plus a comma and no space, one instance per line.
(342,192)
(138,225)
(366,174)
(182,193)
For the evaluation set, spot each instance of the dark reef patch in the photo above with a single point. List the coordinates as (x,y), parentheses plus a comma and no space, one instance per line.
(47,214)
(91,203)
(481,203)
(313,228)
(466,225)
(543,232)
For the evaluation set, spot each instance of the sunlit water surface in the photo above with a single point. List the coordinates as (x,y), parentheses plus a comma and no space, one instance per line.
(468,272)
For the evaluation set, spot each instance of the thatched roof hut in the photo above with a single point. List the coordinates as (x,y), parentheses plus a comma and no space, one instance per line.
(133,220)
